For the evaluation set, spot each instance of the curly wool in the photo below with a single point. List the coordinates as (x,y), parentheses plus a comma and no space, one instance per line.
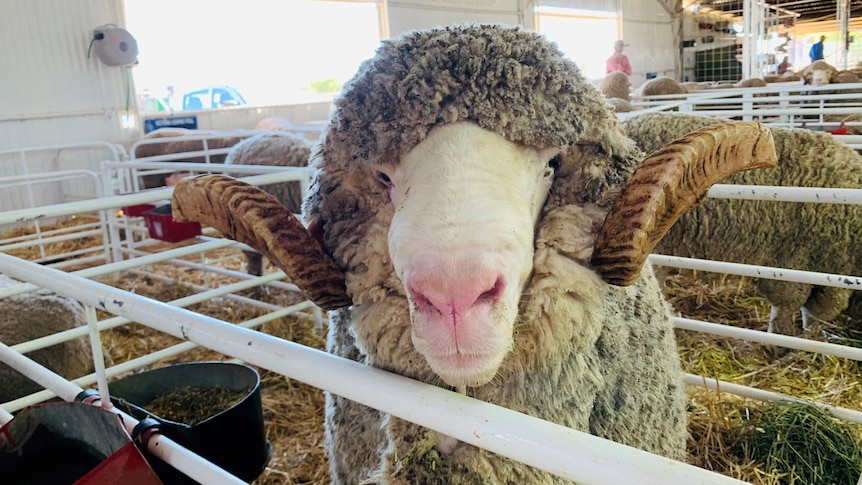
(616,85)
(508,81)
(589,356)
(281,149)
(789,235)
(661,85)
(38,314)
(505,79)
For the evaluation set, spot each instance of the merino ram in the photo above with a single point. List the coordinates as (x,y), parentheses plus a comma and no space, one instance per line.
(460,187)
(278,149)
(822,237)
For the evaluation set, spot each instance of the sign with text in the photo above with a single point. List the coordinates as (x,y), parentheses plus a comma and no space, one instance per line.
(188,122)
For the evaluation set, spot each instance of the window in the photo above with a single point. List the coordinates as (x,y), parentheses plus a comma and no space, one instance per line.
(268,51)
(585,36)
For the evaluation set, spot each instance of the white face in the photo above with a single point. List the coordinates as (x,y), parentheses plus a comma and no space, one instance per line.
(819,77)
(466,203)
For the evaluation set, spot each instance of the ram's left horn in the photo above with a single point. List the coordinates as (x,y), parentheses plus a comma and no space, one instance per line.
(249,215)
(669,183)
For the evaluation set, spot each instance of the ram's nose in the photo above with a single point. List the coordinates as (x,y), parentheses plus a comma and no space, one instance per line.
(454,294)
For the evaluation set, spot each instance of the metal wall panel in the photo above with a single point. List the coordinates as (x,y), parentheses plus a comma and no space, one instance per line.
(311,116)
(648,32)
(407,15)
(607,5)
(52,91)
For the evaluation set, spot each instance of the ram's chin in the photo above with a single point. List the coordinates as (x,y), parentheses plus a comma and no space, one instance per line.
(470,351)
(459,370)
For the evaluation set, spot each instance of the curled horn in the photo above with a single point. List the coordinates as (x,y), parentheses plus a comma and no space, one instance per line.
(669,183)
(249,215)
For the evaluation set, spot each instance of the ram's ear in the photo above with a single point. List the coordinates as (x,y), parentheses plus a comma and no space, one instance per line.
(249,215)
(669,183)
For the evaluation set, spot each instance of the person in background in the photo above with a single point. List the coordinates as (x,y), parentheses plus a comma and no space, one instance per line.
(816,51)
(784,66)
(618,61)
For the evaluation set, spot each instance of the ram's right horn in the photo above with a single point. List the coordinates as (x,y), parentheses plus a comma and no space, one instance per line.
(249,215)
(669,183)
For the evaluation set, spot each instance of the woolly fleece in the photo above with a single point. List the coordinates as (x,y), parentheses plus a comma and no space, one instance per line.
(37,314)
(586,355)
(616,85)
(281,149)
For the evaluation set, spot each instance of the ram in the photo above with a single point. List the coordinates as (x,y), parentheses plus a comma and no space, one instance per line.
(454,233)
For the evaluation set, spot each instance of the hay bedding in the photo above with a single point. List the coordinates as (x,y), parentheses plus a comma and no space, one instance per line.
(724,427)
(293,412)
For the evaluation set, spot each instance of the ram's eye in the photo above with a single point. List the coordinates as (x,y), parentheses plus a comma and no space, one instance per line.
(555,162)
(382,177)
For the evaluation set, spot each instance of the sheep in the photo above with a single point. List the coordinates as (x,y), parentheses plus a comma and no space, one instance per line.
(845,77)
(754,82)
(693,87)
(281,149)
(820,77)
(661,85)
(788,77)
(620,105)
(274,123)
(437,274)
(788,235)
(616,85)
(174,140)
(827,70)
(36,314)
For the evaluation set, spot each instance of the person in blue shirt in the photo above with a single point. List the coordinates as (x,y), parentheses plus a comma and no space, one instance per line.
(816,51)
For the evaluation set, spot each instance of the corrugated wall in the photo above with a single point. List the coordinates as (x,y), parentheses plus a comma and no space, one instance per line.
(416,14)
(52,92)
(648,32)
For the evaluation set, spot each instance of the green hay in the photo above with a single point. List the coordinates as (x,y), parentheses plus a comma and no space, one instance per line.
(802,444)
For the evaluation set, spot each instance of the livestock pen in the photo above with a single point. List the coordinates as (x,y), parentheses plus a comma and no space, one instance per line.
(152,302)
(835,108)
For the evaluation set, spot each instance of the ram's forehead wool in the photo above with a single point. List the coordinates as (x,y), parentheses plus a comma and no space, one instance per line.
(510,81)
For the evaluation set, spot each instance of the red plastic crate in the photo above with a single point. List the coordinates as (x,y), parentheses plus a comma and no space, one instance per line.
(137,210)
(162,225)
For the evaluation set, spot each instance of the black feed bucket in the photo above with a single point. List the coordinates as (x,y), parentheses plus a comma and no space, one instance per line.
(231,438)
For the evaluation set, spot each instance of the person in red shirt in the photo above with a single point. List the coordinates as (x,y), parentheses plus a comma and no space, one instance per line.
(784,66)
(618,61)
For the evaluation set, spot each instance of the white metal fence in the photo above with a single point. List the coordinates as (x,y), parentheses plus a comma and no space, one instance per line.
(832,107)
(563,451)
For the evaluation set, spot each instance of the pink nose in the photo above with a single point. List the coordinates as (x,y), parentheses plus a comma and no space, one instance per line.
(449,294)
